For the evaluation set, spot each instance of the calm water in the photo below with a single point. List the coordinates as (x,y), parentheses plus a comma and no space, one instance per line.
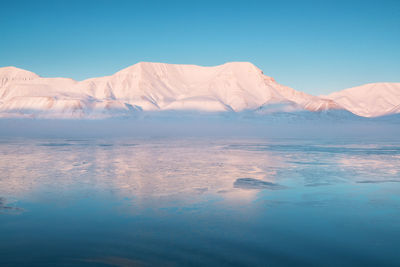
(242,202)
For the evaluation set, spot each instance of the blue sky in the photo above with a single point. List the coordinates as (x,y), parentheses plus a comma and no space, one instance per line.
(313,46)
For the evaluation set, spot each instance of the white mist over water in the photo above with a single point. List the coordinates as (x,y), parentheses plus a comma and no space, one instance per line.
(282,125)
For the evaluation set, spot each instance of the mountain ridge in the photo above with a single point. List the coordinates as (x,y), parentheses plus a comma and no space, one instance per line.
(147,86)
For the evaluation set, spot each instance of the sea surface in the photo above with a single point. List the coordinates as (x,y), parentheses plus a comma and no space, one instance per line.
(199,202)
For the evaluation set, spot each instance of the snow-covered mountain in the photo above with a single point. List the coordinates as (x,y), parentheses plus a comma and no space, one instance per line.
(370,100)
(231,87)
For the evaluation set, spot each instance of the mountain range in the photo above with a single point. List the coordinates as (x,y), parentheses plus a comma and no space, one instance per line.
(156,87)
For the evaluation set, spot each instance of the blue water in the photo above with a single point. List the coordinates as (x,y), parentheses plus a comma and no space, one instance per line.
(207,202)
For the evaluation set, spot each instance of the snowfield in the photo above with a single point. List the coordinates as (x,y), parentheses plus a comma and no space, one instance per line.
(370,100)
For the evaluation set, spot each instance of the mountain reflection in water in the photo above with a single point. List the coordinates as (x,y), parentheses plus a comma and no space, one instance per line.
(199,201)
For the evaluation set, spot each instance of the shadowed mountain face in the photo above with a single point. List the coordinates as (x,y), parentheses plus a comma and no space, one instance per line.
(231,87)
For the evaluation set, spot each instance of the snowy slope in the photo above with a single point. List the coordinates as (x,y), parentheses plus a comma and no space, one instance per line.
(231,87)
(370,100)
(234,86)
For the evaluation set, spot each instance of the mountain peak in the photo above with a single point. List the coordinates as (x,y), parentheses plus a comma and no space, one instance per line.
(243,66)
(14,73)
(370,100)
